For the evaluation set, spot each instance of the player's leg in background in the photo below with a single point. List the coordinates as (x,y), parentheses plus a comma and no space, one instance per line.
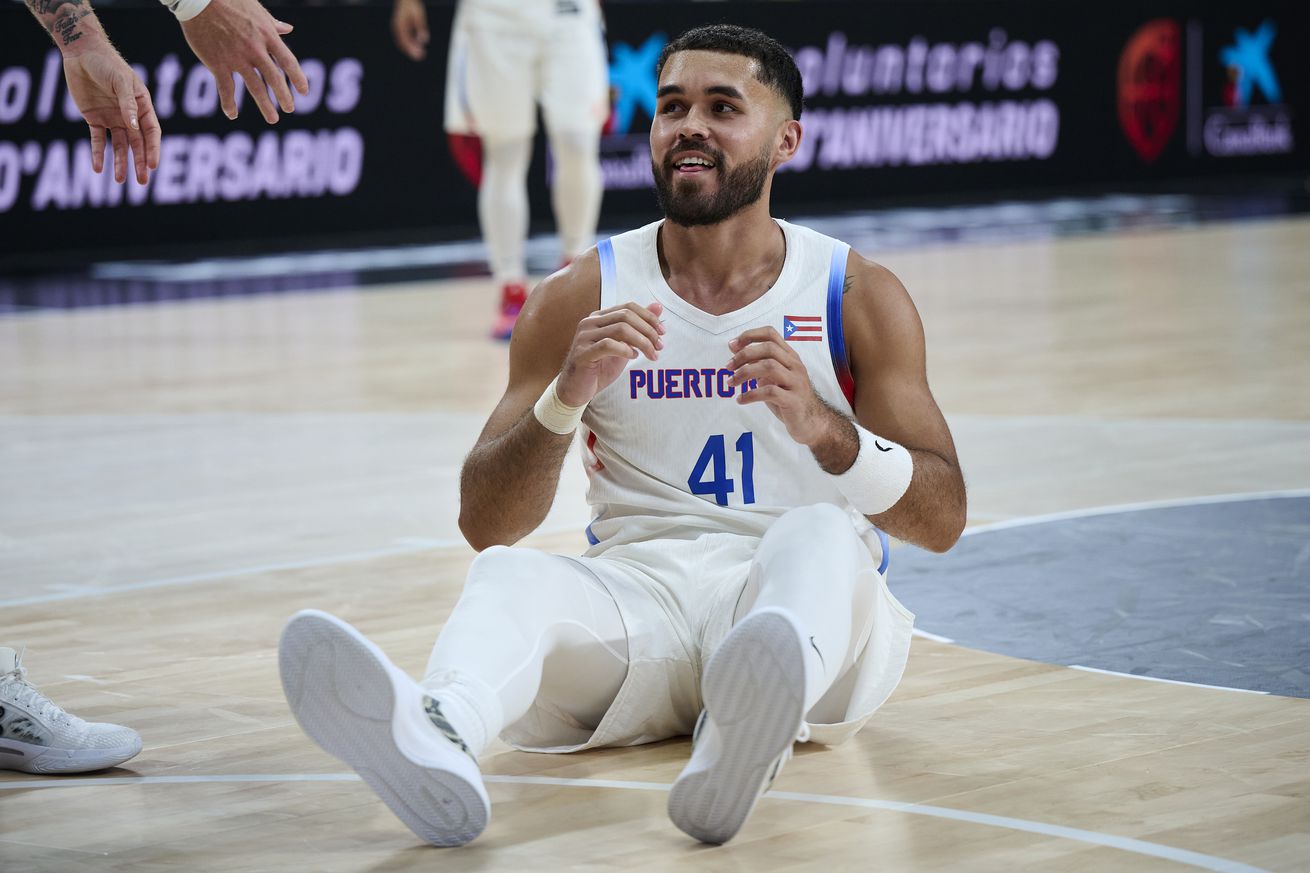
(575,104)
(503,205)
(503,72)
(577,189)
(519,609)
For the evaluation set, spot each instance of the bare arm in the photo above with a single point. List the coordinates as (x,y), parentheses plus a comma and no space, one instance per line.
(884,338)
(112,99)
(509,480)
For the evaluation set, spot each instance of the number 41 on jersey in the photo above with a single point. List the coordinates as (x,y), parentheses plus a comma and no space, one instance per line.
(714,460)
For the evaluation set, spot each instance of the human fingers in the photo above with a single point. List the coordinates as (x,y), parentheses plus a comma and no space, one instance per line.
(255,85)
(757,335)
(274,77)
(623,315)
(606,347)
(150,130)
(762,342)
(124,92)
(286,59)
(649,314)
(770,394)
(97,148)
(118,139)
(227,92)
(765,372)
(625,332)
(406,29)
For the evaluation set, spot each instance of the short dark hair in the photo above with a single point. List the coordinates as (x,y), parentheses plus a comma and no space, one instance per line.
(776,67)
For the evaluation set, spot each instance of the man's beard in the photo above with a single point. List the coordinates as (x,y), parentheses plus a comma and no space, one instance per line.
(739,187)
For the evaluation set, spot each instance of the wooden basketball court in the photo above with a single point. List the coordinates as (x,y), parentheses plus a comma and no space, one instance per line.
(178,478)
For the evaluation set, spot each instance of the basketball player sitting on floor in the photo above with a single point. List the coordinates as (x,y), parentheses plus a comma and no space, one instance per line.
(753,401)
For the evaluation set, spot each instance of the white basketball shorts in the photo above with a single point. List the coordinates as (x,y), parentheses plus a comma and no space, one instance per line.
(508,58)
(678,599)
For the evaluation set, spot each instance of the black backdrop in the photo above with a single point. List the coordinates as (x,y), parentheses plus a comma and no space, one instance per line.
(904,97)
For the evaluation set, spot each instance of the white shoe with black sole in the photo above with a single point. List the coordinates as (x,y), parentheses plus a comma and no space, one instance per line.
(754,691)
(361,708)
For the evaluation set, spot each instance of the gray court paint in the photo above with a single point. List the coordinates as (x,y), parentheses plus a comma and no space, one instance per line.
(1139,847)
(1215,593)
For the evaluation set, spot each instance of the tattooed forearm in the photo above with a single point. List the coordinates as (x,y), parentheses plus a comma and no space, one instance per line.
(66,25)
(62,18)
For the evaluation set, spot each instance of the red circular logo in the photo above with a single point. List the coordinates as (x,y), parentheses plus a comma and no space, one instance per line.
(1150,86)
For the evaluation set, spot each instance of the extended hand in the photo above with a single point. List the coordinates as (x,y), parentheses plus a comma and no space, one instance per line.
(603,344)
(114,100)
(782,383)
(240,36)
(409,25)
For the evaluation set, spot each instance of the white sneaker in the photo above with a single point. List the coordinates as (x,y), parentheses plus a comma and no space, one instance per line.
(360,707)
(754,690)
(36,736)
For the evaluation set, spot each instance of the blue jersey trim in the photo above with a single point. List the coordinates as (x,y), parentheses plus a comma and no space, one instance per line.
(836,337)
(882,540)
(591,538)
(608,270)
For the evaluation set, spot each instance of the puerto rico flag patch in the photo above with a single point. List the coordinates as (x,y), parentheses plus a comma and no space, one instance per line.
(802,328)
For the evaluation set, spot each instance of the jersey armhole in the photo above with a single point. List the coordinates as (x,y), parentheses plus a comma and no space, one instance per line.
(836,338)
(608,281)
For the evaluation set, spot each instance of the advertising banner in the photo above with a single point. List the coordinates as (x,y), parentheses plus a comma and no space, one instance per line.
(902,98)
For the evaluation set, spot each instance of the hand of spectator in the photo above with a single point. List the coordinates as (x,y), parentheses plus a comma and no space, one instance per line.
(241,37)
(409,25)
(113,100)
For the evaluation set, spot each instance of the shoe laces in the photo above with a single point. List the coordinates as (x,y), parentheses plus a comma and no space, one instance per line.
(16,687)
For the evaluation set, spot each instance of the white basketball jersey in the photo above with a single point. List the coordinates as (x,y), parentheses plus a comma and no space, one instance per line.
(668,450)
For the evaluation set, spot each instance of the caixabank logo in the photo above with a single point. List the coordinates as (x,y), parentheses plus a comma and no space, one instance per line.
(625,147)
(1252,118)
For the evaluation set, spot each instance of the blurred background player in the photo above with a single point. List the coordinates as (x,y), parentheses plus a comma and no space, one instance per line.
(506,58)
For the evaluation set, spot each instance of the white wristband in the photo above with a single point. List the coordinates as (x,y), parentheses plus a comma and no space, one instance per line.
(554,415)
(185,10)
(880,475)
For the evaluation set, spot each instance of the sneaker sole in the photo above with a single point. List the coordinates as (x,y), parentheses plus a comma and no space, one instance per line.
(340,691)
(754,691)
(45,760)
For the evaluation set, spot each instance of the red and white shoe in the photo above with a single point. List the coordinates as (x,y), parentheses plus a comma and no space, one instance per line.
(512,297)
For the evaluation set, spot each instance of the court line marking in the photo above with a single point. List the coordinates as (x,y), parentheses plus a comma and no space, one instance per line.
(1127,844)
(1116,509)
(1161,679)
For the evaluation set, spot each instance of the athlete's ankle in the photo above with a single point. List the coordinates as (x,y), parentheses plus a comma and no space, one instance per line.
(467,705)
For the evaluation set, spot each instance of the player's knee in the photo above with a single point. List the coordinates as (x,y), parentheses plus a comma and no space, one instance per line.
(575,141)
(821,520)
(504,568)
